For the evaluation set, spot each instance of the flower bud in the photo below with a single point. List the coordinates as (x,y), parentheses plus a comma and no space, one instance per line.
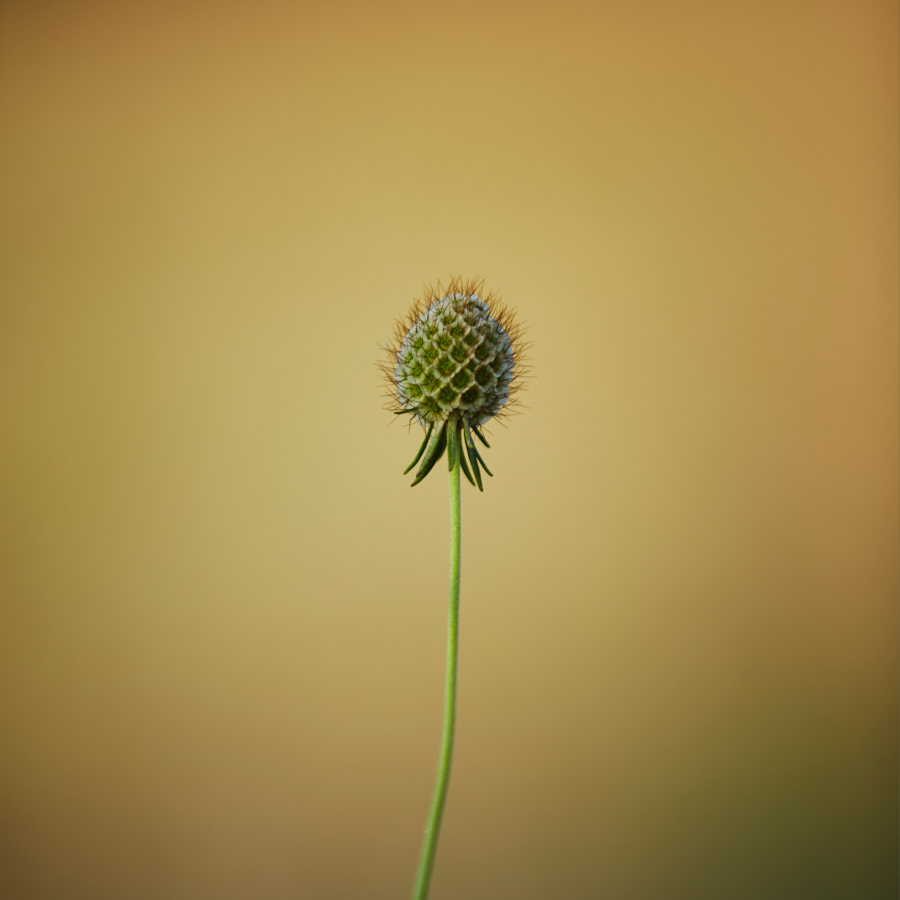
(454,364)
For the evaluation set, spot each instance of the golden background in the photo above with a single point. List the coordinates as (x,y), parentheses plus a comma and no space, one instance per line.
(223,608)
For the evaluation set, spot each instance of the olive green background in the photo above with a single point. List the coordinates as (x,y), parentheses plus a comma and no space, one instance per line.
(223,608)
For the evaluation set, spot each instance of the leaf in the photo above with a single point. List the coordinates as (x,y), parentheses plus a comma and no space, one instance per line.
(474,456)
(452,445)
(465,467)
(434,452)
(421,449)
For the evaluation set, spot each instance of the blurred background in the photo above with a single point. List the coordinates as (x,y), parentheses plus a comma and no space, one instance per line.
(224,609)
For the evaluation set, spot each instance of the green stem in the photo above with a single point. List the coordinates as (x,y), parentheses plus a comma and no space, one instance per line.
(433,828)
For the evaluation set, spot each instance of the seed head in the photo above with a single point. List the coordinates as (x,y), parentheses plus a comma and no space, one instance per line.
(454,364)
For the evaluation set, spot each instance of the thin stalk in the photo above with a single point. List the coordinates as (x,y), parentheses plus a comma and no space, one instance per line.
(433,828)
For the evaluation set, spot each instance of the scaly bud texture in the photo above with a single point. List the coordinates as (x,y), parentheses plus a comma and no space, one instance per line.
(454,367)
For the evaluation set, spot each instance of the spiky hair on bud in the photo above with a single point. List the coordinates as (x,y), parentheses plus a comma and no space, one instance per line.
(455,363)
